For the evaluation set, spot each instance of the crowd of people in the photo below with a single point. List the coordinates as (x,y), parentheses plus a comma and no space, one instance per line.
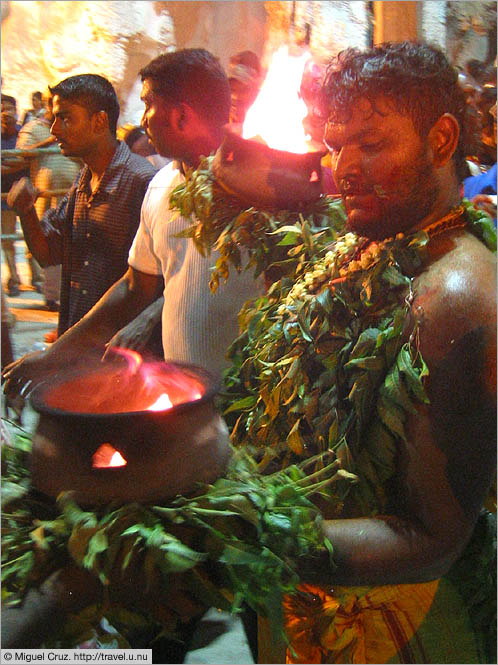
(398,129)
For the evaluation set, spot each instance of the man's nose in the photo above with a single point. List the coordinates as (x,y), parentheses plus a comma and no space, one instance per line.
(143,121)
(345,163)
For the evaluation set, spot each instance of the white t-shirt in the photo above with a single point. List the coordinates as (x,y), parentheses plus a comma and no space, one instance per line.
(197,325)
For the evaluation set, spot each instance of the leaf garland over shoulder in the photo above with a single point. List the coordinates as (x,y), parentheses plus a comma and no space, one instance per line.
(240,234)
(327,360)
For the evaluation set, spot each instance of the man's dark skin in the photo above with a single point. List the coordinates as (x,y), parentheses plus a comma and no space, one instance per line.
(447,465)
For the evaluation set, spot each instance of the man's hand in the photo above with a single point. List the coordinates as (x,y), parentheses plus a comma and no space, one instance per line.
(486,203)
(22,196)
(21,376)
(44,610)
(137,333)
(133,336)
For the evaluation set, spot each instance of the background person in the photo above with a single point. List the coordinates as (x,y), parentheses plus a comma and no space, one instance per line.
(92,228)
(51,171)
(38,110)
(187,102)
(11,170)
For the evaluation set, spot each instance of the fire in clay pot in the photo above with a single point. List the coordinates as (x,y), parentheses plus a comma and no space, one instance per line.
(139,434)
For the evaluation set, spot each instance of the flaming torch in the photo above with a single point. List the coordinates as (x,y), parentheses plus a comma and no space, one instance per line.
(270,166)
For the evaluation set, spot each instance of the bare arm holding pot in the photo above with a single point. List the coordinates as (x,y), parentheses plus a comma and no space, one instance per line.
(118,306)
(447,464)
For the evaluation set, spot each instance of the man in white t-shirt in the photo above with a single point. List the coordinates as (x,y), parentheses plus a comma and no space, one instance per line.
(187,103)
(197,326)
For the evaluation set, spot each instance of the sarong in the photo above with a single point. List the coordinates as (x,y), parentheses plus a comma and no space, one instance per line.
(406,623)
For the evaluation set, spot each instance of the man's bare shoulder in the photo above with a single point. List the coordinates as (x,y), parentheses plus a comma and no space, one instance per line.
(455,294)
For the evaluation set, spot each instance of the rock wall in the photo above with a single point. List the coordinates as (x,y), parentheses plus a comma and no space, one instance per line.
(329,26)
(45,41)
(471,31)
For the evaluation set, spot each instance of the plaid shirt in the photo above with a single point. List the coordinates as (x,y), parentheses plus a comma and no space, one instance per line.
(90,234)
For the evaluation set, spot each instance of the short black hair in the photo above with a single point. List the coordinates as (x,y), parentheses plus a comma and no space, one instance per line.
(417,78)
(195,77)
(8,99)
(93,92)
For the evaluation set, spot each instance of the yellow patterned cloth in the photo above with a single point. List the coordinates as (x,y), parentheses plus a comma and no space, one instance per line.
(406,623)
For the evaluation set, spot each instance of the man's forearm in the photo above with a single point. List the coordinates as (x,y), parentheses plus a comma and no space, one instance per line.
(117,307)
(34,237)
(376,551)
(154,311)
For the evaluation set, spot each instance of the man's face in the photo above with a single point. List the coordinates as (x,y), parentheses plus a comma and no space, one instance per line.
(158,125)
(9,116)
(383,170)
(74,128)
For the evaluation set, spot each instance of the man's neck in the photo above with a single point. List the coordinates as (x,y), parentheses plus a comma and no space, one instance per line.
(100,159)
(437,213)
(203,148)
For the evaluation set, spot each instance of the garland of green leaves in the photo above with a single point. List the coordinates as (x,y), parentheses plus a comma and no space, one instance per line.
(323,362)
(247,238)
(253,528)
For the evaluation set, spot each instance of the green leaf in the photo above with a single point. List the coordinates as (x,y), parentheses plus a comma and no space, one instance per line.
(244,404)
(394,277)
(239,554)
(392,417)
(277,522)
(367,363)
(97,543)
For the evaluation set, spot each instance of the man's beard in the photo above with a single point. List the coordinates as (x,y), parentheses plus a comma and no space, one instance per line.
(415,194)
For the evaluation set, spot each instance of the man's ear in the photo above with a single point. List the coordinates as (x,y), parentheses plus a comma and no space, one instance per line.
(101,122)
(181,115)
(443,139)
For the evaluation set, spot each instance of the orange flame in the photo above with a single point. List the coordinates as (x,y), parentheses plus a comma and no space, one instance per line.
(277,114)
(133,358)
(106,456)
(162,403)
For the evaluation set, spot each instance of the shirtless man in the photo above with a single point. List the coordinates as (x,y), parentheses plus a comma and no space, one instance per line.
(396,135)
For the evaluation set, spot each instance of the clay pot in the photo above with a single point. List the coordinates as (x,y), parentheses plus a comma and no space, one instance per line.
(267,178)
(165,452)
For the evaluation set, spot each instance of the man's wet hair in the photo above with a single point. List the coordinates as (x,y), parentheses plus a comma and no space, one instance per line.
(194,77)
(418,80)
(93,92)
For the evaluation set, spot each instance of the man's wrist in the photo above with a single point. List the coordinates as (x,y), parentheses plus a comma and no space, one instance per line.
(26,210)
